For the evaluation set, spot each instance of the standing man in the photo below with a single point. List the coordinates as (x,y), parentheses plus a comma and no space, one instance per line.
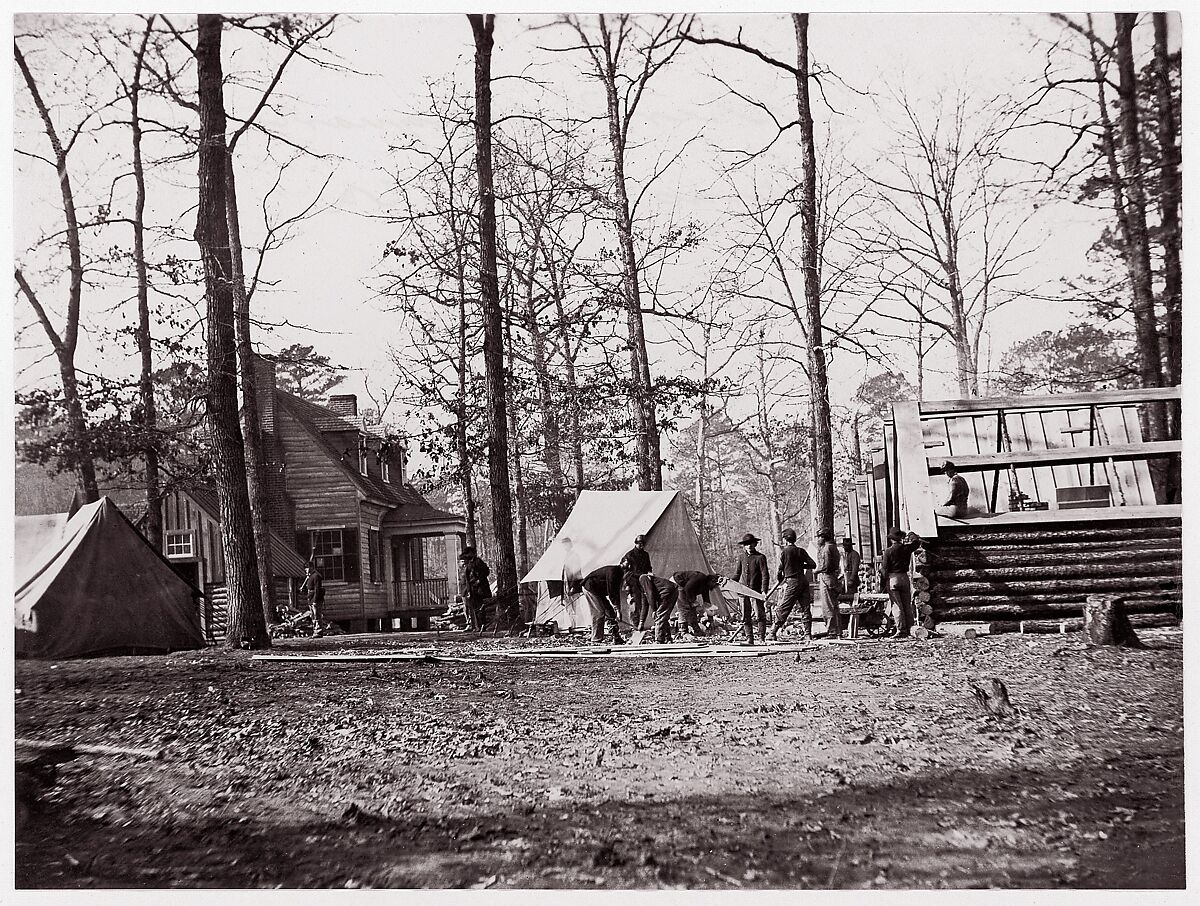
(476,589)
(602,587)
(692,584)
(851,560)
(753,571)
(314,586)
(636,564)
(893,576)
(957,492)
(793,561)
(660,594)
(827,570)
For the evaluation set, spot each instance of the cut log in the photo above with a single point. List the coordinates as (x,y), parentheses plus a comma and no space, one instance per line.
(1106,623)
(1076,569)
(920,583)
(925,609)
(1033,608)
(922,632)
(1105,583)
(949,561)
(920,557)
(921,597)
(1094,534)
(1068,597)
(1141,621)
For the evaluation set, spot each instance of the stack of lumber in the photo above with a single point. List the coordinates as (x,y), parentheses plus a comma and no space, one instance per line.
(921,589)
(1045,572)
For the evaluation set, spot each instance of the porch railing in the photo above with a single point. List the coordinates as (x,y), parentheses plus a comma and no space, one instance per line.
(420,594)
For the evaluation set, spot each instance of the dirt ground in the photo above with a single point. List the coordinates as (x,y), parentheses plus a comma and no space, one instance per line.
(845,766)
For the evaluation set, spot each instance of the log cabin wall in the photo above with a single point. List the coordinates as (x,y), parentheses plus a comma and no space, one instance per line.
(1100,527)
(1023,572)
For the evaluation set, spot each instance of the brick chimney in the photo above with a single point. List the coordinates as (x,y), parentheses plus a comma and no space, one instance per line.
(345,404)
(264,382)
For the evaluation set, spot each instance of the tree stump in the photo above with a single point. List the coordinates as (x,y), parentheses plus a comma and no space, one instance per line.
(1105,622)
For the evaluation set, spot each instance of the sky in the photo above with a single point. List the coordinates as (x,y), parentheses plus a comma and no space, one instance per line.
(327,277)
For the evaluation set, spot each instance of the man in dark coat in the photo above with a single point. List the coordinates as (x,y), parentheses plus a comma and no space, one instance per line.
(828,570)
(693,584)
(660,594)
(957,493)
(476,589)
(752,570)
(636,564)
(793,561)
(602,588)
(314,586)
(893,578)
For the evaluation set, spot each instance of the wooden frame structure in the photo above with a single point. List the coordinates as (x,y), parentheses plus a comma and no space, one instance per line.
(1036,445)
(1078,514)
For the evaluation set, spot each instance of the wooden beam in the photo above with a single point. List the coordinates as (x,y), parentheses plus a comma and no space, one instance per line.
(1055,401)
(916,499)
(978,462)
(1097,514)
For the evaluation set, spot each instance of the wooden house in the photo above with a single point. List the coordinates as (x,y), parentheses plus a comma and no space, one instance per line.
(1062,504)
(337,490)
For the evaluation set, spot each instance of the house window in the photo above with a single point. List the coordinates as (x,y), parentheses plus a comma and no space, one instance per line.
(385,470)
(181,544)
(329,549)
(373,564)
(362,456)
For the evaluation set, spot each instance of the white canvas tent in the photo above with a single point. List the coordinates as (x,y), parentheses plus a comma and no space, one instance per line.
(92,583)
(599,532)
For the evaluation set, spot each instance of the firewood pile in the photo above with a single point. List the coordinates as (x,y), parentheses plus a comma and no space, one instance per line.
(920,587)
(300,626)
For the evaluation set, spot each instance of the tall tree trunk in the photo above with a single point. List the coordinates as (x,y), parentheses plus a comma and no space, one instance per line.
(1137,234)
(1170,198)
(819,392)
(551,448)
(154,522)
(1137,247)
(493,323)
(252,438)
(856,442)
(702,438)
(645,416)
(246,623)
(460,428)
(568,350)
(66,344)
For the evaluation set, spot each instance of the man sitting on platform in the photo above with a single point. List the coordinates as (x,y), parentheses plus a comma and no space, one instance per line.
(957,492)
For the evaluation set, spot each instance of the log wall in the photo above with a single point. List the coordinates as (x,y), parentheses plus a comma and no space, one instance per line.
(1033,572)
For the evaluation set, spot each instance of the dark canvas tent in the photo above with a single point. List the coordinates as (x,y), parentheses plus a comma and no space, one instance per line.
(91,583)
(599,531)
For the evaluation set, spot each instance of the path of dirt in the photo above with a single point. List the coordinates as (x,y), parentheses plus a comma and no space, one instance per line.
(846,766)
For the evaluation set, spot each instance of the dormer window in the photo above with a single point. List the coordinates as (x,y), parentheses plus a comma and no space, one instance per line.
(362,456)
(385,470)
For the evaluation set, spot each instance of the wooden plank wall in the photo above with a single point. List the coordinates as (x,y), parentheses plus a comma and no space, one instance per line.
(181,514)
(325,497)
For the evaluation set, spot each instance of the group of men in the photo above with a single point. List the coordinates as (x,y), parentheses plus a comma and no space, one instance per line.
(653,597)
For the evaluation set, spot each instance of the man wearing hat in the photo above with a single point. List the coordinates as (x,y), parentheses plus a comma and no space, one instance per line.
(793,562)
(476,589)
(828,569)
(957,492)
(636,564)
(893,576)
(851,561)
(752,570)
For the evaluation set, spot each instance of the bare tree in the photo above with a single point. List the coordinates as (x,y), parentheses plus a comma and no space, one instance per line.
(66,342)
(950,240)
(482,27)
(625,55)
(247,624)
